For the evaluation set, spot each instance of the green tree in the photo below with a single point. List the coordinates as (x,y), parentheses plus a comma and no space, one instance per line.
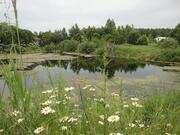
(169,43)
(143,40)
(75,33)
(133,37)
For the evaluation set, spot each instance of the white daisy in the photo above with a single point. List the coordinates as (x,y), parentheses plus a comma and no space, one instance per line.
(47,91)
(47,110)
(135,99)
(39,130)
(132,125)
(20,120)
(15,113)
(101,123)
(113,118)
(68,89)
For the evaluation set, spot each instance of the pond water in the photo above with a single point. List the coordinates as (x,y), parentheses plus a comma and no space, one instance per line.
(130,76)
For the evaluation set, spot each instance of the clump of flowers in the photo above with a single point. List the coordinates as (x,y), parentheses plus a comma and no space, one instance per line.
(92,89)
(68,89)
(48,102)
(135,99)
(39,130)
(136,104)
(113,118)
(47,91)
(132,125)
(47,110)
(15,113)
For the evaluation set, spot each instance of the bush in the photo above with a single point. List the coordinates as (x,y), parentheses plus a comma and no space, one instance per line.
(169,43)
(68,45)
(87,47)
(143,40)
(133,37)
(50,48)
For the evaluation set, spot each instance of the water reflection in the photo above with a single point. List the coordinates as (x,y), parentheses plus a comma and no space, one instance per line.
(96,64)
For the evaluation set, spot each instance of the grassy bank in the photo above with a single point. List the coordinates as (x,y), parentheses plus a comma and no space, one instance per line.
(148,53)
(85,109)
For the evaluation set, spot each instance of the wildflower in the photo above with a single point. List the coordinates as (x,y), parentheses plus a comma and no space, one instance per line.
(63,119)
(20,120)
(68,89)
(113,118)
(136,104)
(53,96)
(71,120)
(102,117)
(167,134)
(92,89)
(15,113)
(1,130)
(101,99)
(132,125)
(135,99)
(115,134)
(125,106)
(67,97)
(48,102)
(141,125)
(47,110)
(114,94)
(87,86)
(64,127)
(47,91)
(57,102)
(39,130)
(101,123)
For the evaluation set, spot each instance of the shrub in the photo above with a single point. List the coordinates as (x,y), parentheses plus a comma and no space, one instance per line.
(133,37)
(87,47)
(143,40)
(50,48)
(169,43)
(68,45)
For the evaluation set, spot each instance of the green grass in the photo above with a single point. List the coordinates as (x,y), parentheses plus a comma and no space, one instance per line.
(86,112)
(147,53)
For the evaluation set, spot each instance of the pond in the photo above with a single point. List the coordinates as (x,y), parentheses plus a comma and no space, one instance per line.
(132,77)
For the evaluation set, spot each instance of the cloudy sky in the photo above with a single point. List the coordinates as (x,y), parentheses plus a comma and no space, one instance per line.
(42,15)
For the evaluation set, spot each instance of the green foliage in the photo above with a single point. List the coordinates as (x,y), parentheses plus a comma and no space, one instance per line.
(169,43)
(50,48)
(68,45)
(87,47)
(133,37)
(143,40)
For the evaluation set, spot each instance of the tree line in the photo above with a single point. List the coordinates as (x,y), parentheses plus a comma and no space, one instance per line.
(68,39)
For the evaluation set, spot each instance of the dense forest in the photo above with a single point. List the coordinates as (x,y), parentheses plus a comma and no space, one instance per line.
(86,40)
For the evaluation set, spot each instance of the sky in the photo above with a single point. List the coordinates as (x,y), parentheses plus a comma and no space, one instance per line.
(44,15)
